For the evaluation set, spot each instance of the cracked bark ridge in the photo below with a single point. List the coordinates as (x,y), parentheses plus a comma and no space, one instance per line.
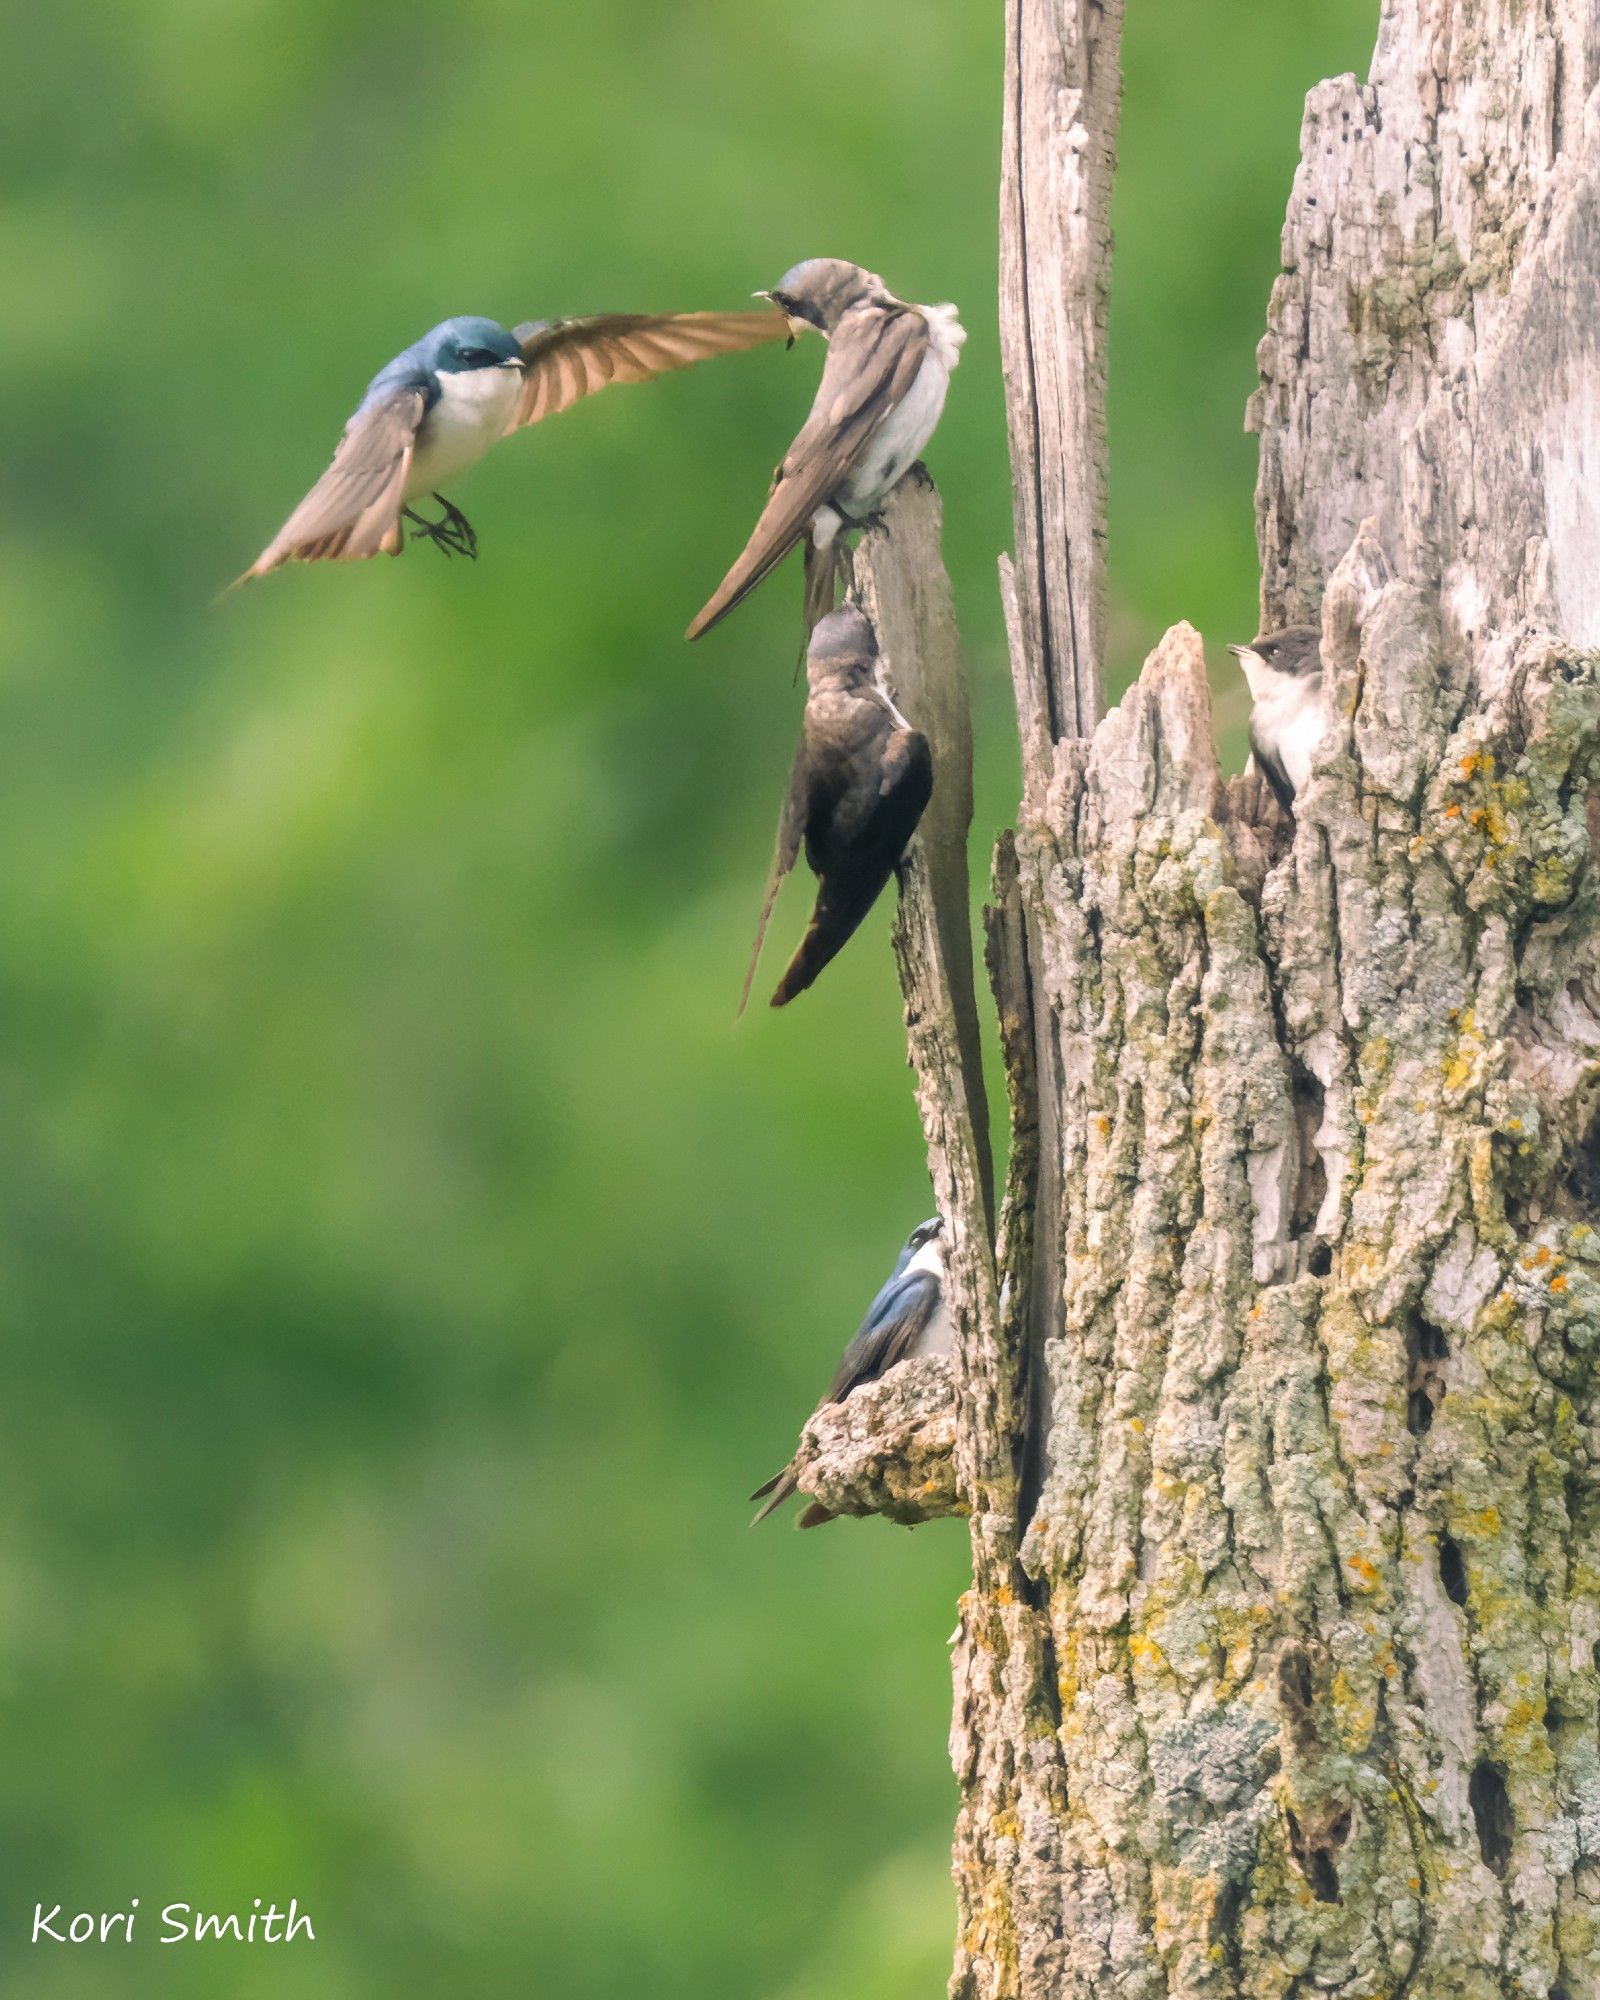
(1058,151)
(1314,1706)
(901,581)
(888,1448)
(1000,1662)
(905,591)
(1432,356)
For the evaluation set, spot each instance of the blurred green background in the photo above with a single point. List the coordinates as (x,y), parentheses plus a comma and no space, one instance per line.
(407,1264)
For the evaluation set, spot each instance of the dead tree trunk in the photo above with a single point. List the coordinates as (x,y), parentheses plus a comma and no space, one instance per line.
(1278,1675)
(1285,1683)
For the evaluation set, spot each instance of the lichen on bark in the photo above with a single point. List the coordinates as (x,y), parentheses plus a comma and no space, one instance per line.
(1278,1671)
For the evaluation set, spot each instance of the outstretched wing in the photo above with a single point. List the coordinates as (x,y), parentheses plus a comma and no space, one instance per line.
(791,827)
(567,359)
(353,511)
(853,884)
(873,360)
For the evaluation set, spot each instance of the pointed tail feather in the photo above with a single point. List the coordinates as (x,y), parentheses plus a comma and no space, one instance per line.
(822,577)
(816,951)
(780,1486)
(769,902)
(735,587)
(785,849)
(839,914)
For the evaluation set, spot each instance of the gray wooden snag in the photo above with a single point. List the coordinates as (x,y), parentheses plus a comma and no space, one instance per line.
(1278,1672)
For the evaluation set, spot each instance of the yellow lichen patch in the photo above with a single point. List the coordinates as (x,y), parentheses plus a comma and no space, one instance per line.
(1363,1567)
(1558,1283)
(1453,810)
(1146,1654)
(1356,1712)
(1487,1521)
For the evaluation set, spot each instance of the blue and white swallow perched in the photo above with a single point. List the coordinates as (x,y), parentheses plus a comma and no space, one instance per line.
(1288,706)
(907,1320)
(439,406)
(879,401)
(860,780)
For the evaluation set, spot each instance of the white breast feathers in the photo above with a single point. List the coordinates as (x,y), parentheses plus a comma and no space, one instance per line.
(472,412)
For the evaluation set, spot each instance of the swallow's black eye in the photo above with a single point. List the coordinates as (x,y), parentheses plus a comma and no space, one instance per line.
(478,357)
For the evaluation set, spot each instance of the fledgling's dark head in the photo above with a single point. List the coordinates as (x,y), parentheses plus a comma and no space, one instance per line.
(843,647)
(819,292)
(457,346)
(1295,653)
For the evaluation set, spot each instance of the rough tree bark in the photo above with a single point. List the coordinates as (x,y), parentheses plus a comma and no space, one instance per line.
(1278,1676)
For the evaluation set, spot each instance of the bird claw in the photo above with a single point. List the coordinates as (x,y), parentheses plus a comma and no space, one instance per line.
(452,536)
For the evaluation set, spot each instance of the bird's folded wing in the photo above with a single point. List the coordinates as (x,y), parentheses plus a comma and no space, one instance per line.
(905,785)
(889,1332)
(856,876)
(570,358)
(353,511)
(873,360)
(1272,768)
(791,826)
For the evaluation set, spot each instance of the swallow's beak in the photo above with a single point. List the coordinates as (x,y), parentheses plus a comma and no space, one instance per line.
(513,361)
(1238,652)
(764,295)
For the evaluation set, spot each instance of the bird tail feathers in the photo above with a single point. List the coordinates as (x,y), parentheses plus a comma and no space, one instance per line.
(753,567)
(834,922)
(822,578)
(769,903)
(780,1486)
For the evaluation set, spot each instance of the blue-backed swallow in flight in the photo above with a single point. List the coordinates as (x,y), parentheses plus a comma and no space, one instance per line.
(908,1319)
(878,403)
(439,406)
(860,780)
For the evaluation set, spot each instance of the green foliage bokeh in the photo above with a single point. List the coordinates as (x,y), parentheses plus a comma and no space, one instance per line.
(406,1263)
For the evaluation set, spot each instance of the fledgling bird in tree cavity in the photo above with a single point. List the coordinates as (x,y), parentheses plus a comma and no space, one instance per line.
(1288,708)
(907,1320)
(860,780)
(878,403)
(438,406)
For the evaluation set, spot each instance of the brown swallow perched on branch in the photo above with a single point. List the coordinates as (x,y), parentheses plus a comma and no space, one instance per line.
(860,781)
(880,399)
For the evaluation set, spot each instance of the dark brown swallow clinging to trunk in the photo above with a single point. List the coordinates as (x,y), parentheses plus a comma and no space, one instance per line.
(860,781)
